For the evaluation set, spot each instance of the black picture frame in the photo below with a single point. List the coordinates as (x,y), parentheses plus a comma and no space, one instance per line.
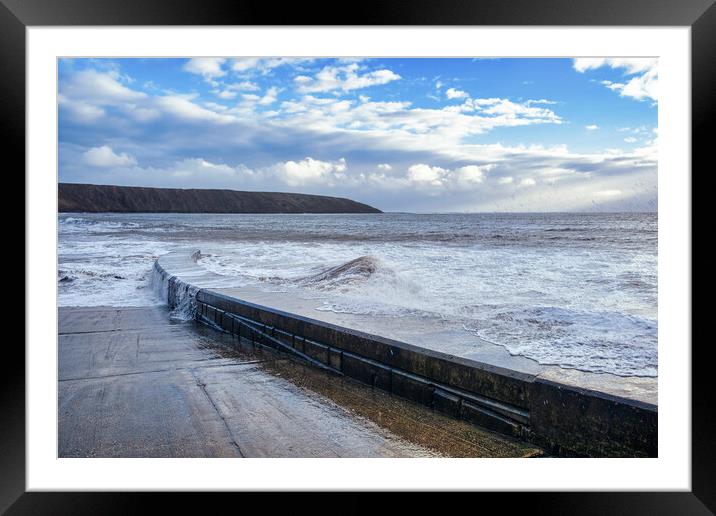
(700,15)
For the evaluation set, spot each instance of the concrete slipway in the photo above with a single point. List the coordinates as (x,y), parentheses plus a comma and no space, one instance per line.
(132,383)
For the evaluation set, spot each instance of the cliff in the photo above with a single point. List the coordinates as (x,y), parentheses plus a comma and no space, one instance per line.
(131,199)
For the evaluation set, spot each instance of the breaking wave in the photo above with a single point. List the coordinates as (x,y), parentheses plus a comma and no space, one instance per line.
(332,278)
(347,273)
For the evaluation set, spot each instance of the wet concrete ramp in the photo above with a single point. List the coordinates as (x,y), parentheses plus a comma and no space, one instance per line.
(132,383)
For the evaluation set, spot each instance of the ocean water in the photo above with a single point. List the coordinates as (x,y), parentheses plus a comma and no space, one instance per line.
(574,290)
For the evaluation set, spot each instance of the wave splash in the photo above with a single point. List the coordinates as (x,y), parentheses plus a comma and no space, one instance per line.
(179,296)
(361,286)
(342,275)
(368,286)
(333,278)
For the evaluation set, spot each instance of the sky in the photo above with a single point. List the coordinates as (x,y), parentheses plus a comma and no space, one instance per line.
(400,134)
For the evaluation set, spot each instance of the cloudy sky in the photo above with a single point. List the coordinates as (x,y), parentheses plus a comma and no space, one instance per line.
(422,135)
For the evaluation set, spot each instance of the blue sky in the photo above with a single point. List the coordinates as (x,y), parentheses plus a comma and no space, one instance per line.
(410,134)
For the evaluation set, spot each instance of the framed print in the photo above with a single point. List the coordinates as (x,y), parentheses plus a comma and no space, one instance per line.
(425,248)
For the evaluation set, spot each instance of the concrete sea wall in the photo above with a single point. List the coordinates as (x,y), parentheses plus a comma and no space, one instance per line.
(564,419)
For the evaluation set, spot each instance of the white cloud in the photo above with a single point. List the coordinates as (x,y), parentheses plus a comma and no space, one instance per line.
(88,96)
(471,174)
(643,84)
(592,127)
(213,106)
(452,93)
(80,111)
(345,78)
(243,86)
(208,67)
(226,94)
(422,173)
(91,87)
(540,101)
(264,65)
(399,124)
(201,168)
(553,174)
(468,175)
(509,109)
(632,65)
(630,139)
(528,181)
(270,97)
(308,170)
(507,180)
(245,63)
(182,107)
(104,156)
(231,90)
(384,166)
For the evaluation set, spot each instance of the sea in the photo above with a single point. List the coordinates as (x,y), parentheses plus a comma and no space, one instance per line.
(574,290)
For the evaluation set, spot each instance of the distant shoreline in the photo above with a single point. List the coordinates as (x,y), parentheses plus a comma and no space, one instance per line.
(88,198)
